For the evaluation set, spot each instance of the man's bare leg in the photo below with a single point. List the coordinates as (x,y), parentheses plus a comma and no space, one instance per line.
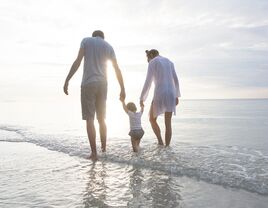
(168,133)
(103,134)
(155,127)
(91,132)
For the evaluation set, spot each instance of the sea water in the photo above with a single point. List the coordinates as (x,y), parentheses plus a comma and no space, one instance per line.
(218,157)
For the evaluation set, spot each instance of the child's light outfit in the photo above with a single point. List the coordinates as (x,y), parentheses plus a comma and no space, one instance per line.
(136,130)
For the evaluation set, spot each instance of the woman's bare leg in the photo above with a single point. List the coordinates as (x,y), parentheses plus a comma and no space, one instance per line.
(168,133)
(155,126)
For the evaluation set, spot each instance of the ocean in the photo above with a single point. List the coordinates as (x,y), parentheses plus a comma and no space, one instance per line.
(218,157)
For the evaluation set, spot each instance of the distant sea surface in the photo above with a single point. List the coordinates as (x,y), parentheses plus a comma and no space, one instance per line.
(218,157)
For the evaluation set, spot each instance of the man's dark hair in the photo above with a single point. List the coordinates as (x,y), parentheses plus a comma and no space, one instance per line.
(152,53)
(98,33)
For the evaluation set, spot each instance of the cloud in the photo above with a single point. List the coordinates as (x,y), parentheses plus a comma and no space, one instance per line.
(209,40)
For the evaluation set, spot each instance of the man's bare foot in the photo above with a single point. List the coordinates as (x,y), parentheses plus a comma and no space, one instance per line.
(93,157)
(160,143)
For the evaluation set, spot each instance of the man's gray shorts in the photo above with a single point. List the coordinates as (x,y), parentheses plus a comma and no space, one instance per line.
(93,99)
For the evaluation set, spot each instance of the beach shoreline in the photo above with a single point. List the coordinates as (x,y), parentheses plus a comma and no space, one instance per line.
(32,175)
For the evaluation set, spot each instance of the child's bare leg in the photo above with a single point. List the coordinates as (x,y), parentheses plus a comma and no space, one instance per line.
(134,144)
(138,142)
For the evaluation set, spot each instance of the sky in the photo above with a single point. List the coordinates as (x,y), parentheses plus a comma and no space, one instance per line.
(219,48)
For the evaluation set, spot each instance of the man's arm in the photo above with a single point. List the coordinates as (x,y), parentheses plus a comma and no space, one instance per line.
(119,79)
(73,69)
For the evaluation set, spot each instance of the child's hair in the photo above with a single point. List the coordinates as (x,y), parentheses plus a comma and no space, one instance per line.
(131,107)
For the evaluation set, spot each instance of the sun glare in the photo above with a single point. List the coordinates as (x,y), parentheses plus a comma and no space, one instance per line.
(133,80)
(115,116)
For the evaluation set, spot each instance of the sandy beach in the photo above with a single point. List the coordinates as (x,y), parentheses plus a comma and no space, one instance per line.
(34,176)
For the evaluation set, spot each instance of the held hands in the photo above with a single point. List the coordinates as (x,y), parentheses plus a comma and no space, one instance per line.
(122,95)
(122,100)
(141,104)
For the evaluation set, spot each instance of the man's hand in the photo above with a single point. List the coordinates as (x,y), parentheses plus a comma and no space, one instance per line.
(65,88)
(177,100)
(141,104)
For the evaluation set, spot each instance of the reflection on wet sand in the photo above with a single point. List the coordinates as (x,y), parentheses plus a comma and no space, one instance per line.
(96,190)
(153,189)
(164,191)
(113,185)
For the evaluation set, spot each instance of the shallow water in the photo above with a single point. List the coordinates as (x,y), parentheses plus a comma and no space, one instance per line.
(32,176)
(218,147)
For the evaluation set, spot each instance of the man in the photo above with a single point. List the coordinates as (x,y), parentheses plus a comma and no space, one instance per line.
(96,52)
(166,93)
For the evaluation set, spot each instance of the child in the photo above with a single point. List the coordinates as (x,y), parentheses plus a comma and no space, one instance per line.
(136,131)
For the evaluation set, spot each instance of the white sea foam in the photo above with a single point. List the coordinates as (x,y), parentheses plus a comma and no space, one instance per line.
(229,166)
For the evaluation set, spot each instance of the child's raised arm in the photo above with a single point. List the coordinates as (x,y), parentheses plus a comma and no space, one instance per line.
(124,106)
(142,108)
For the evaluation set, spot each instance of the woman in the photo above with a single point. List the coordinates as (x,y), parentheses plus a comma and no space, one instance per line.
(166,93)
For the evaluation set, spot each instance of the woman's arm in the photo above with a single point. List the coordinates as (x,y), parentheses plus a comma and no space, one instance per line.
(176,81)
(147,84)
